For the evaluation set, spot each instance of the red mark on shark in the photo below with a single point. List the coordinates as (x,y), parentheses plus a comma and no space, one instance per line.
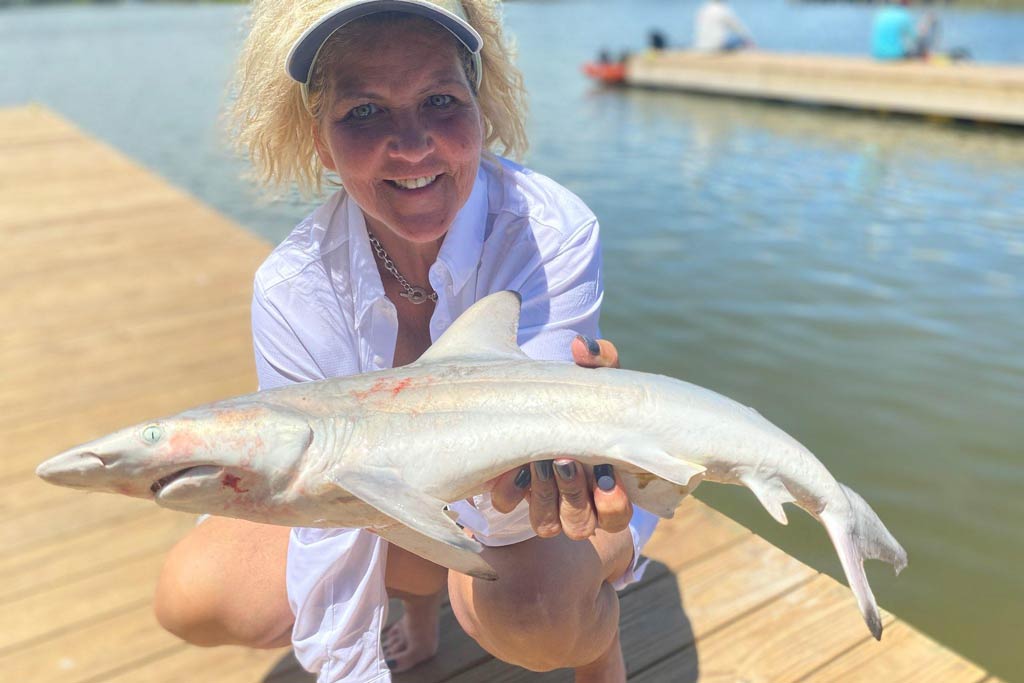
(184,444)
(232,482)
(383,386)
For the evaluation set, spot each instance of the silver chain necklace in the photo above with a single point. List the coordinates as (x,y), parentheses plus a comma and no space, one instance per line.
(416,295)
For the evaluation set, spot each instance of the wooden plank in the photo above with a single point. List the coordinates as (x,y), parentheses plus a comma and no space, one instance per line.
(144,344)
(24,494)
(76,602)
(95,550)
(31,125)
(37,165)
(75,515)
(107,645)
(673,543)
(903,655)
(226,299)
(198,355)
(228,664)
(706,595)
(24,208)
(172,231)
(784,640)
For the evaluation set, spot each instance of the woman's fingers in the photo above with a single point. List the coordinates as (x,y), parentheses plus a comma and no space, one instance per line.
(575,505)
(594,353)
(544,501)
(566,497)
(508,489)
(614,510)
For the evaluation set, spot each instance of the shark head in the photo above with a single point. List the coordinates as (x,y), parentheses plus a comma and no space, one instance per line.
(234,458)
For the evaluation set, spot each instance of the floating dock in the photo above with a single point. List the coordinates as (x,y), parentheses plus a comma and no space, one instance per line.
(953,90)
(127,299)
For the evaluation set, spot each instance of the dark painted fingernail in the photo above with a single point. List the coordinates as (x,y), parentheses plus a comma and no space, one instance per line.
(566,469)
(592,346)
(604,476)
(544,470)
(523,478)
(390,662)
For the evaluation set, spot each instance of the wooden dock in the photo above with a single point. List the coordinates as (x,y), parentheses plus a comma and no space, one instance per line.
(960,91)
(127,299)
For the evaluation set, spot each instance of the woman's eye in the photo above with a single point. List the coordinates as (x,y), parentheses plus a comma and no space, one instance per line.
(363,111)
(439,100)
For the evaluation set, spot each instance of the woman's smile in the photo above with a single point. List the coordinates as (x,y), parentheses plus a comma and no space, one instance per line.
(414,183)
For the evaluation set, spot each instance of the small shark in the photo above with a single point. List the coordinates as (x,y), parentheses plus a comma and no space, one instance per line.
(388,450)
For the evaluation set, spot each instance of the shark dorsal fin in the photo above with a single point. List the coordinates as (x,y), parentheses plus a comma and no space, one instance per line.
(487,329)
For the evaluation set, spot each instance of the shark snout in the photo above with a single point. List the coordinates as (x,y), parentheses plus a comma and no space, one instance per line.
(79,468)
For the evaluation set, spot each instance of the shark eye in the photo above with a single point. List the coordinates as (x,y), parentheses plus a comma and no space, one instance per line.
(152,434)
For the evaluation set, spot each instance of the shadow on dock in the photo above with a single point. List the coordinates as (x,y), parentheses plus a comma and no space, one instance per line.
(651,612)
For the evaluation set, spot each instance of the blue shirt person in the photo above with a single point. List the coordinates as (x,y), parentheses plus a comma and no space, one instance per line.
(892,35)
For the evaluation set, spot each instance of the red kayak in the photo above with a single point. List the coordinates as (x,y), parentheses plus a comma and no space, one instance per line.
(608,73)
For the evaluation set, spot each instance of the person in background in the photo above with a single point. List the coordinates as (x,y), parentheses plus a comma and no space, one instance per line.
(926,39)
(892,32)
(718,29)
(656,40)
(405,105)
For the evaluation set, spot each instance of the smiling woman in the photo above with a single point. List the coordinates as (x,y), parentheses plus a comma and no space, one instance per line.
(269,114)
(407,141)
(405,105)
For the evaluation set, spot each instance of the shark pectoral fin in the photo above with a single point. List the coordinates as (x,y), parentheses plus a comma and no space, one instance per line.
(462,560)
(673,478)
(421,524)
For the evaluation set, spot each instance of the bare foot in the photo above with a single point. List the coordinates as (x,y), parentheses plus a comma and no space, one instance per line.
(608,668)
(415,637)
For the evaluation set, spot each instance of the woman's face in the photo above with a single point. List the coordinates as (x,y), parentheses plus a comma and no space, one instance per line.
(401,128)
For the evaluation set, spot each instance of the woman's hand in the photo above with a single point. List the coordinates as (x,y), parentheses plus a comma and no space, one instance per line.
(564,495)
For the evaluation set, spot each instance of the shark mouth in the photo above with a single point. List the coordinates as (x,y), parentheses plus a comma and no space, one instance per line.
(196,472)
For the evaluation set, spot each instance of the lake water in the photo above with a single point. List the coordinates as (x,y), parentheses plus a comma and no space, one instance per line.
(859,280)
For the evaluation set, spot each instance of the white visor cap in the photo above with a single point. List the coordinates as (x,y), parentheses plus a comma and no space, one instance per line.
(448,13)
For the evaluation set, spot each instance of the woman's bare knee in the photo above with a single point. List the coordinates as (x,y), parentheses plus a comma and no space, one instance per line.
(539,620)
(224,584)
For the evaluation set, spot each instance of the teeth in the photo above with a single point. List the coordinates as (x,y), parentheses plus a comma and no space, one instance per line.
(414,183)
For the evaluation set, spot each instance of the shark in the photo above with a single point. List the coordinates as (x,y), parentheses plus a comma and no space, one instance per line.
(387,451)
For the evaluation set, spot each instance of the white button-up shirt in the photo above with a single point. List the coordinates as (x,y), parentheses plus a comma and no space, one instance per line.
(319,311)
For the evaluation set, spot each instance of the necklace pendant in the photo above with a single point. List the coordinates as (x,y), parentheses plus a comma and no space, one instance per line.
(416,295)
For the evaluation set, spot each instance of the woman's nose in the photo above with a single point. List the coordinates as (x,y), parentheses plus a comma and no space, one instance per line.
(412,140)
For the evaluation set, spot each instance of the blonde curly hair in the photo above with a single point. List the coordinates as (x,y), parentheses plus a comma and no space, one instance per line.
(271,124)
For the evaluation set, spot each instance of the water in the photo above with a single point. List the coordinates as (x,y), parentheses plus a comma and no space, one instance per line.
(859,280)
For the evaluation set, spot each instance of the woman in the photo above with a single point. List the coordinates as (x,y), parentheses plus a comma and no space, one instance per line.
(401,99)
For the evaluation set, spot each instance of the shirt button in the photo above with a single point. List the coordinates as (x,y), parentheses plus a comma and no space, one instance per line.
(378,361)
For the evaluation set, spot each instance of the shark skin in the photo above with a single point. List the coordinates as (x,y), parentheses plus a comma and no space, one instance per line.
(386,451)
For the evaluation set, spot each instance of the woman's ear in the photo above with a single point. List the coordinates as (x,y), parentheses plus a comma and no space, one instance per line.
(322,149)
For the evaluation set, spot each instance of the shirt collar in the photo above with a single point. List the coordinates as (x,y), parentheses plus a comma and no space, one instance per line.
(462,246)
(459,255)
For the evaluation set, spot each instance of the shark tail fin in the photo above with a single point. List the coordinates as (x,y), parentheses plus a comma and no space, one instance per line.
(859,535)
